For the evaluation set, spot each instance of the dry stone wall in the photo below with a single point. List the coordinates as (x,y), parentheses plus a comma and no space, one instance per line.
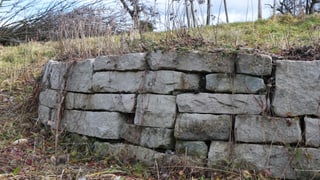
(215,107)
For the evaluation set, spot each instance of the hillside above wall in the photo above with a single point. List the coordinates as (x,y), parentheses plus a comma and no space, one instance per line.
(215,107)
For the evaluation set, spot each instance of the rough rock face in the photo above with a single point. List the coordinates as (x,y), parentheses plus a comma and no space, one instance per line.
(239,84)
(202,127)
(221,103)
(192,61)
(192,148)
(297,88)
(155,110)
(312,131)
(253,128)
(254,64)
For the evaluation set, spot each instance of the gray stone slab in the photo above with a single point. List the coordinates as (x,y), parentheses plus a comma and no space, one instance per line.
(297,89)
(131,133)
(312,131)
(109,102)
(44,114)
(49,98)
(157,138)
(219,154)
(254,64)
(192,61)
(239,84)
(164,82)
(221,103)
(197,149)
(131,61)
(273,158)
(106,125)
(53,74)
(155,110)
(262,129)
(202,127)
(80,76)
(118,81)
(306,163)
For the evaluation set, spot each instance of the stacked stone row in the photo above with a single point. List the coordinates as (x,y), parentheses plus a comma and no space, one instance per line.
(185,101)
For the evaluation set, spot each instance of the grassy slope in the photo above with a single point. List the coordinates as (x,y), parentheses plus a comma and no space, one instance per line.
(21,65)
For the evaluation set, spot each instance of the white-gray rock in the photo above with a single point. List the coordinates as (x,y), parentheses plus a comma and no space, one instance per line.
(132,61)
(312,131)
(155,110)
(118,81)
(239,84)
(191,61)
(219,153)
(110,102)
(80,76)
(131,133)
(273,158)
(262,129)
(221,103)
(49,98)
(202,127)
(254,64)
(297,89)
(306,163)
(106,125)
(197,149)
(164,82)
(53,74)
(157,138)
(44,114)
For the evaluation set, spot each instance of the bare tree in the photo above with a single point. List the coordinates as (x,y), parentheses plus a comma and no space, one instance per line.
(208,12)
(226,10)
(259,10)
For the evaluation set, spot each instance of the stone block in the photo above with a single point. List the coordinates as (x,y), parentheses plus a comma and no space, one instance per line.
(197,149)
(239,84)
(254,64)
(44,114)
(49,98)
(109,102)
(157,138)
(312,131)
(80,76)
(263,129)
(118,81)
(164,82)
(192,61)
(306,163)
(219,153)
(131,133)
(106,125)
(221,103)
(53,75)
(131,61)
(202,127)
(271,158)
(297,89)
(155,110)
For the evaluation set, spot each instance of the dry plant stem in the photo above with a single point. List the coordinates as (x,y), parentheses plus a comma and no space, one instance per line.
(59,111)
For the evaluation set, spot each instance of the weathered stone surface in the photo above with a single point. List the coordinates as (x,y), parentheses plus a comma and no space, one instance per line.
(297,89)
(44,114)
(306,163)
(240,84)
(164,82)
(254,64)
(155,110)
(48,97)
(219,153)
(312,131)
(192,148)
(157,138)
(105,125)
(148,137)
(252,128)
(265,157)
(80,76)
(202,127)
(132,61)
(191,61)
(53,74)
(118,81)
(221,103)
(110,102)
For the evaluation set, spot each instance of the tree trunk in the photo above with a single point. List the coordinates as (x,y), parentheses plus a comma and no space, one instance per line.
(192,13)
(187,13)
(274,8)
(226,10)
(259,10)
(208,12)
